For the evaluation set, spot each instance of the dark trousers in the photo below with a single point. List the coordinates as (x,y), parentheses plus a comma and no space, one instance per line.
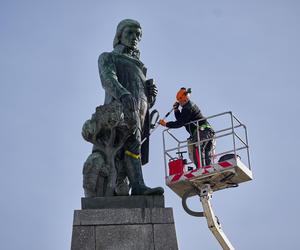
(206,147)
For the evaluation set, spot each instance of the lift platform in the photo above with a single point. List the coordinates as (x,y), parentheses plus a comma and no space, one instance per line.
(220,175)
(229,166)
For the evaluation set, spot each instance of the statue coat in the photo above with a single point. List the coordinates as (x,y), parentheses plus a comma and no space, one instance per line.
(121,74)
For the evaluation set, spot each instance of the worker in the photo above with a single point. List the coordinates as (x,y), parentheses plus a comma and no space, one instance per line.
(190,112)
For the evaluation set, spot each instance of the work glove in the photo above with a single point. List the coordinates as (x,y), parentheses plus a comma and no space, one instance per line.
(162,122)
(175,105)
(151,88)
(128,102)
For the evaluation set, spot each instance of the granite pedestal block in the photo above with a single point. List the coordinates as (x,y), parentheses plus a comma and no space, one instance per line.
(146,201)
(148,225)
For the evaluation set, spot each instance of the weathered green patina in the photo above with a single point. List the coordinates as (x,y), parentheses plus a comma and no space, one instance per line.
(118,127)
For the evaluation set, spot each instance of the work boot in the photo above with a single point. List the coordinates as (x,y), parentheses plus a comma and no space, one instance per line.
(135,176)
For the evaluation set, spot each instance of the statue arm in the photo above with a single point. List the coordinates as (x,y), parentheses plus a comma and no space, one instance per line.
(108,76)
(151,101)
(151,92)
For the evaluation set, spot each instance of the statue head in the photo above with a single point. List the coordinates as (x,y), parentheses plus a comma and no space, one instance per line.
(129,33)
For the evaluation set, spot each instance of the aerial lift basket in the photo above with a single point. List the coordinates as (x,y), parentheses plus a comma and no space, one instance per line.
(230,166)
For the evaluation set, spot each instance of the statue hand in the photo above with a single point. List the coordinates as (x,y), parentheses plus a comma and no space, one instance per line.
(151,88)
(128,102)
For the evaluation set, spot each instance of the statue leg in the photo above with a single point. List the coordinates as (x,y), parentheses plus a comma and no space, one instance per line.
(133,167)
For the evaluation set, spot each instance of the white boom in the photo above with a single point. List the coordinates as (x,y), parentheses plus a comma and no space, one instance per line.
(212,221)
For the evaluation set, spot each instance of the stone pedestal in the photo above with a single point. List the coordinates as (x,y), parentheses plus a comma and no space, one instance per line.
(124,223)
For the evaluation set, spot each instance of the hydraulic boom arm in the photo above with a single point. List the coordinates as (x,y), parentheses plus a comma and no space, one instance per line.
(212,221)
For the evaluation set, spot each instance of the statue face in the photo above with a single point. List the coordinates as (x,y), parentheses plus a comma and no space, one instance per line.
(131,36)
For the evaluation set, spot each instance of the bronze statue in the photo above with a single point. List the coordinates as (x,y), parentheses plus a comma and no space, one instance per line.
(119,126)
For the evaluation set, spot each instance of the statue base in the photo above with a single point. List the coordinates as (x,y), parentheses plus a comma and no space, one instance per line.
(124,223)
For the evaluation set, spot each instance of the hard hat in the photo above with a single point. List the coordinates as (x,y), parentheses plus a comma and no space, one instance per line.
(183,95)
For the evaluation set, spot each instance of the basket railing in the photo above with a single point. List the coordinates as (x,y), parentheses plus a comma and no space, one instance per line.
(233,128)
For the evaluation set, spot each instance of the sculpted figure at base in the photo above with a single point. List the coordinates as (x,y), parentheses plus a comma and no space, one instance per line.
(118,127)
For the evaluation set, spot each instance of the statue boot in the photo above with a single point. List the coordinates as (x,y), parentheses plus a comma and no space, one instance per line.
(135,176)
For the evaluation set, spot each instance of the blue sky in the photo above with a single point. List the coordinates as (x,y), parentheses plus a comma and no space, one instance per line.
(235,55)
